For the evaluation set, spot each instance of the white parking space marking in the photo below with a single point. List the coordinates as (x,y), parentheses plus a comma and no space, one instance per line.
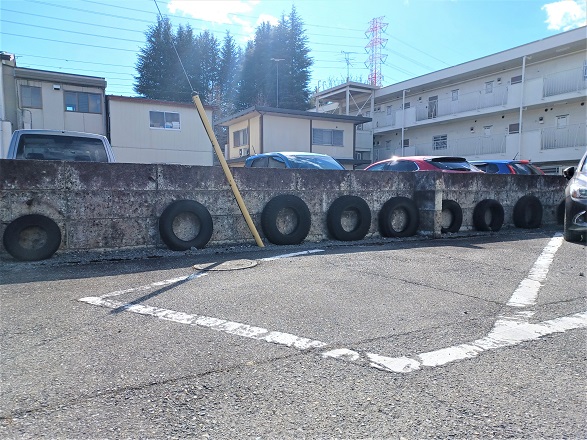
(296,254)
(233,328)
(510,329)
(155,284)
(497,338)
(527,292)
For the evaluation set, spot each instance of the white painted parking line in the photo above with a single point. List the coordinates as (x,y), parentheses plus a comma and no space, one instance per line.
(504,336)
(155,284)
(295,254)
(510,329)
(230,327)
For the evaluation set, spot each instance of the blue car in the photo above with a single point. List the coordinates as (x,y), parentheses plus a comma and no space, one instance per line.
(506,166)
(293,159)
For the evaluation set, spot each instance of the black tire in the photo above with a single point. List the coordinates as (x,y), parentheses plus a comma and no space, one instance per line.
(528,212)
(388,211)
(271,215)
(560,213)
(494,208)
(32,237)
(334,218)
(175,210)
(456,213)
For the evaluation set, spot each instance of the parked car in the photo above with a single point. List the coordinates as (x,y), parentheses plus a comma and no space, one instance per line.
(59,145)
(293,159)
(507,166)
(575,220)
(424,163)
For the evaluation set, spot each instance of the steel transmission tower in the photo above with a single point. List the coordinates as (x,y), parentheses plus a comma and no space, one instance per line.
(376,43)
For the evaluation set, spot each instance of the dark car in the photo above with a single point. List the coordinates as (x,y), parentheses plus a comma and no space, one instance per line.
(575,223)
(424,163)
(507,166)
(293,159)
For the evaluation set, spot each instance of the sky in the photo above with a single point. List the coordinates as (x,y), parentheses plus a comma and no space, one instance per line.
(103,37)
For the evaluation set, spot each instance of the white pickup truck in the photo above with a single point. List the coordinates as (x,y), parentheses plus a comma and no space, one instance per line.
(59,145)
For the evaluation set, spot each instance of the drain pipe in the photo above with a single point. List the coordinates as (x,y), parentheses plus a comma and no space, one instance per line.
(403,118)
(519,155)
(227,173)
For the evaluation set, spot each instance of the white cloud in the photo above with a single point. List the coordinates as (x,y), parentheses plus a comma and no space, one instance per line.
(565,14)
(215,11)
(267,18)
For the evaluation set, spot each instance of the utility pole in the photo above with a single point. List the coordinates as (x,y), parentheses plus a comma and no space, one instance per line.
(277,60)
(348,62)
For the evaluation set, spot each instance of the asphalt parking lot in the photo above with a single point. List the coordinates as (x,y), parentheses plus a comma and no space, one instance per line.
(479,336)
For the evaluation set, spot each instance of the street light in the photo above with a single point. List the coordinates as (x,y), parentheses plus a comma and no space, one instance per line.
(277,60)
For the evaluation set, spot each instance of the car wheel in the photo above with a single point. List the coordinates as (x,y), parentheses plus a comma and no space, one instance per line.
(527,212)
(185,224)
(32,237)
(488,215)
(286,220)
(399,217)
(455,212)
(348,218)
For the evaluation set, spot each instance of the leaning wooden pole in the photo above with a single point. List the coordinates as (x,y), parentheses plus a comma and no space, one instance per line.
(227,173)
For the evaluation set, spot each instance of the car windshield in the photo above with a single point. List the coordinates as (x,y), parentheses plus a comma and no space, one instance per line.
(522,168)
(314,162)
(452,164)
(50,147)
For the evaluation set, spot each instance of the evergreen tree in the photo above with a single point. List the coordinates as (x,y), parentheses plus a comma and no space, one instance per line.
(186,47)
(260,76)
(295,91)
(273,67)
(207,56)
(228,76)
(154,61)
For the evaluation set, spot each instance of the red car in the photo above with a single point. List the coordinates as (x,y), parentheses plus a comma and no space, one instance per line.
(425,163)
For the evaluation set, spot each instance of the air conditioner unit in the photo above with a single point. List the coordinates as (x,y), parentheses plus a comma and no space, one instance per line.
(243,152)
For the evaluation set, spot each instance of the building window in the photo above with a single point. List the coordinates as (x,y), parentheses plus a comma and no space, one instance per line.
(30,97)
(388,144)
(165,120)
(516,79)
(406,143)
(240,137)
(389,109)
(514,128)
(487,130)
(82,102)
(489,87)
(322,136)
(455,95)
(406,105)
(440,142)
(562,121)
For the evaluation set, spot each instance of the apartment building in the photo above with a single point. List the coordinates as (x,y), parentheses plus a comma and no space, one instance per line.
(525,103)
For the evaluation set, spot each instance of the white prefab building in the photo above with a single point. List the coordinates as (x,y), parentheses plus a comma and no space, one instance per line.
(150,131)
(266,130)
(525,103)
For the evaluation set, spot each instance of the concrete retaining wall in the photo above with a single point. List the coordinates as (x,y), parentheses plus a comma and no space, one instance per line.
(113,206)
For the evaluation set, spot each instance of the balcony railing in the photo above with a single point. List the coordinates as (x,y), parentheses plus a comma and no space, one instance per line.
(569,81)
(573,136)
(466,147)
(466,102)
